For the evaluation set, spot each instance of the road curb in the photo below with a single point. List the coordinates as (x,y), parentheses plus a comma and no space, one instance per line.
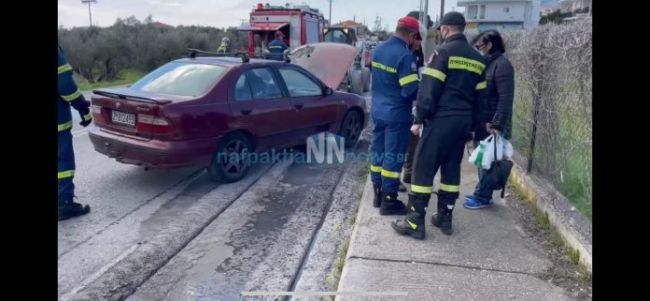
(365,197)
(122,279)
(572,226)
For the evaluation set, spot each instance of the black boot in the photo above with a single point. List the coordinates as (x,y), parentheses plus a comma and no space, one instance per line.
(390,205)
(71,209)
(442,219)
(413,224)
(377,200)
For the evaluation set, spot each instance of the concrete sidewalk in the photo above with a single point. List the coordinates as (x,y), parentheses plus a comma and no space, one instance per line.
(489,256)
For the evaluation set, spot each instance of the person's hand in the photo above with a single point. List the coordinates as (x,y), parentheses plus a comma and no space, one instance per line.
(415,129)
(491,130)
(86,117)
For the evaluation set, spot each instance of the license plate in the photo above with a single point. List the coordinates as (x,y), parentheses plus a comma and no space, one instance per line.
(123,118)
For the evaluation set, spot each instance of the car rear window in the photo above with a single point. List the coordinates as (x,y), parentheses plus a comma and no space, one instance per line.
(181,79)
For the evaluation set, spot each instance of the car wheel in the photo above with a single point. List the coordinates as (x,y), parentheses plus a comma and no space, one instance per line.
(356,82)
(229,163)
(366,79)
(351,128)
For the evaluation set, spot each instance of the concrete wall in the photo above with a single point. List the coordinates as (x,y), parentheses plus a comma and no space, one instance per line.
(495,12)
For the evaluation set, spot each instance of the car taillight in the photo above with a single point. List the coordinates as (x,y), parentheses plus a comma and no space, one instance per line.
(97,114)
(149,123)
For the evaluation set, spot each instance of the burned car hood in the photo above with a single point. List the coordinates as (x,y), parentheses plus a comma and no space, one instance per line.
(327,61)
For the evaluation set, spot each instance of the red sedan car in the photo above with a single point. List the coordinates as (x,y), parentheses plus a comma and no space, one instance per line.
(190,110)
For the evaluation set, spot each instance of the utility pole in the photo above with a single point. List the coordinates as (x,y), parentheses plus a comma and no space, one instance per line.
(90,15)
(442,9)
(424,12)
(330,19)
(425,20)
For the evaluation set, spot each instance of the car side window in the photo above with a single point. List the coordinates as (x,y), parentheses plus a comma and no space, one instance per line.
(262,83)
(243,89)
(299,84)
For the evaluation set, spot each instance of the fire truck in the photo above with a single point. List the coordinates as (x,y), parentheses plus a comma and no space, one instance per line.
(300,24)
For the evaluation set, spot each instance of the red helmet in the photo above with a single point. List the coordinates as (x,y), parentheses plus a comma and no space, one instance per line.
(410,23)
(279,34)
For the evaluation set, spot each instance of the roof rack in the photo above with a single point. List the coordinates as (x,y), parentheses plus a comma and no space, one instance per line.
(193,53)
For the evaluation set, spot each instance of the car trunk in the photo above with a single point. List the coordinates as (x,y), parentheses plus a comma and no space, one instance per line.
(134,113)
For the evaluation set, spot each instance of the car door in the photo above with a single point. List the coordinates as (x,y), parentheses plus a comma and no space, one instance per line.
(259,106)
(314,112)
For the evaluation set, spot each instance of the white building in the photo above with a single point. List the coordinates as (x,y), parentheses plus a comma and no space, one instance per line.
(497,14)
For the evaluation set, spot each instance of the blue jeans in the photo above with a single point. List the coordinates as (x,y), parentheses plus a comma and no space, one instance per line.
(483,191)
(388,149)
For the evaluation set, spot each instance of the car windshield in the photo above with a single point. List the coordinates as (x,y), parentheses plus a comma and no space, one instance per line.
(180,79)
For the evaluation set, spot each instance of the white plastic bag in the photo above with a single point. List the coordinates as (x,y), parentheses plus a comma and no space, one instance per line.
(508,151)
(483,155)
(476,157)
(488,155)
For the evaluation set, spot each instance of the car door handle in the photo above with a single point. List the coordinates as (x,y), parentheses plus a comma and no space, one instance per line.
(246,112)
(298,106)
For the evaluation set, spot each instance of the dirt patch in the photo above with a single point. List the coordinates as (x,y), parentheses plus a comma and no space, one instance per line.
(564,272)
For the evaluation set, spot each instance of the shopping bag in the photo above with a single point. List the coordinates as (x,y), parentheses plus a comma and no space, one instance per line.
(499,171)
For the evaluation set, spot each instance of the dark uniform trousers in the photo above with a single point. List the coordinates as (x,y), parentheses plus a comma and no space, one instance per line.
(443,139)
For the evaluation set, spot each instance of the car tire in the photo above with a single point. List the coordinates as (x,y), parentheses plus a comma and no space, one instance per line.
(366,79)
(356,82)
(226,168)
(351,128)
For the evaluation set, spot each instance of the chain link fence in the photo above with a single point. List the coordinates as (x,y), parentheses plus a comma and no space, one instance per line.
(552,119)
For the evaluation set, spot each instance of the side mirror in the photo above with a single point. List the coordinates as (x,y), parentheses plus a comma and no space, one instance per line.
(327,91)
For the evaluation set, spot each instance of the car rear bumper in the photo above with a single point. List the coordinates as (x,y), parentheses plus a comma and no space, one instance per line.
(152,153)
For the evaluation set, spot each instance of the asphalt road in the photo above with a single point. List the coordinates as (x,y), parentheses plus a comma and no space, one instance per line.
(216,240)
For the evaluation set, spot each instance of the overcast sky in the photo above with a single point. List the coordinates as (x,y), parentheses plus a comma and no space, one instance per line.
(223,13)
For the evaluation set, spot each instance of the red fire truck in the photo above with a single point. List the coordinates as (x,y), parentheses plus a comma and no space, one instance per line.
(300,24)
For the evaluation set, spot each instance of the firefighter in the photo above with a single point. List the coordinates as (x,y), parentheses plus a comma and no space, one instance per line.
(418,53)
(224,46)
(447,108)
(277,47)
(395,84)
(68,95)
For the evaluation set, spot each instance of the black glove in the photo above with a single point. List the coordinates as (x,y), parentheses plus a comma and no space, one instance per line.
(86,117)
(83,107)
